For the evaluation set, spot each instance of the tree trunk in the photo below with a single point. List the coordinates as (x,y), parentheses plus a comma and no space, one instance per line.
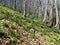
(57,17)
(24,8)
(45,15)
(50,15)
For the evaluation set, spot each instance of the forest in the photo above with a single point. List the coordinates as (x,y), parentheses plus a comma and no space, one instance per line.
(29,22)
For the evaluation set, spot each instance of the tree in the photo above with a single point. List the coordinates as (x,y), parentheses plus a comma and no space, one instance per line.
(45,15)
(50,15)
(24,7)
(57,17)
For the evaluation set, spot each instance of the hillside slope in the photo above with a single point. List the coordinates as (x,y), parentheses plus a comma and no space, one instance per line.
(15,29)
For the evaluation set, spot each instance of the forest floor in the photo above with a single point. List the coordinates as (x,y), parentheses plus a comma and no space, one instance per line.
(16,29)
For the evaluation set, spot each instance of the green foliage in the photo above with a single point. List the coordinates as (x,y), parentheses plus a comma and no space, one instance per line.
(1,30)
(12,41)
(12,26)
(15,19)
(7,14)
(29,22)
(43,31)
(5,35)
(35,27)
(5,24)
(30,16)
(2,33)
(14,33)
(27,27)
(2,16)
(57,38)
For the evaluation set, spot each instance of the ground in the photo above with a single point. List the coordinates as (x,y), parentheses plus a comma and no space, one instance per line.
(15,29)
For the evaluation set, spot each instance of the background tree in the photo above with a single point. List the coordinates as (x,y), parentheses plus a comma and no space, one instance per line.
(57,17)
(24,7)
(50,15)
(45,15)
(48,9)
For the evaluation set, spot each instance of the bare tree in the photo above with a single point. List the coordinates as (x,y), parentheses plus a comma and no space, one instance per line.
(34,7)
(50,15)
(57,17)
(30,6)
(24,7)
(45,15)
(40,4)
(54,16)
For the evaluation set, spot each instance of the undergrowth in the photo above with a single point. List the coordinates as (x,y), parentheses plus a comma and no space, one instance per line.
(27,23)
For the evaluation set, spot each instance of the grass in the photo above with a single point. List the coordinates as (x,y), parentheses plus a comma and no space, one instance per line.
(26,23)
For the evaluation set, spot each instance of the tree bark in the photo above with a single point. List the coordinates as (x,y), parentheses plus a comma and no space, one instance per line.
(50,15)
(57,17)
(45,15)
(24,8)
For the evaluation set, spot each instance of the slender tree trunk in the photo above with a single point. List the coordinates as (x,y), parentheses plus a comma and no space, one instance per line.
(24,8)
(40,5)
(34,7)
(15,5)
(21,2)
(57,17)
(50,15)
(45,15)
